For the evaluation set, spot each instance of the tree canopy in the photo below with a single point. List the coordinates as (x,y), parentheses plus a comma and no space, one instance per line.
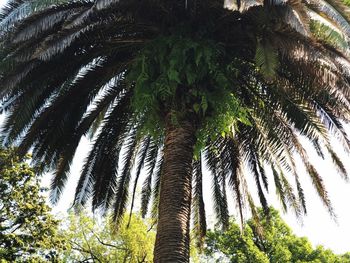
(96,239)
(172,86)
(28,232)
(269,241)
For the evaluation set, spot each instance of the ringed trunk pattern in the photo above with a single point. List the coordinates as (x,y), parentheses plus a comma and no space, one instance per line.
(173,230)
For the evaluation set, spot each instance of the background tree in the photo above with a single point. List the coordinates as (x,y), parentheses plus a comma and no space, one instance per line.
(166,84)
(28,232)
(93,239)
(270,240)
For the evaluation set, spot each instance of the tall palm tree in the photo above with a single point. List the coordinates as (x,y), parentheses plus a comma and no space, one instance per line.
(173,86)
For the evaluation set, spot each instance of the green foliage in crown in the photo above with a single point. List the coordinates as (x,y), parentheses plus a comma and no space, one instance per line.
(181,75)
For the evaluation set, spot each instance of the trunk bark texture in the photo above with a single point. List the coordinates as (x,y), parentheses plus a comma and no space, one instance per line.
(173,230)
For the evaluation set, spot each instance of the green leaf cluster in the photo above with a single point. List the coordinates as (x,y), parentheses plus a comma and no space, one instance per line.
(266,59)
(328,35)
(28,232)
(93,238)
(186,76)
(347,2)
(268,240)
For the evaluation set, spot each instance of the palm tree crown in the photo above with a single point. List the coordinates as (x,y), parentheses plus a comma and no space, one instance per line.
(251,76)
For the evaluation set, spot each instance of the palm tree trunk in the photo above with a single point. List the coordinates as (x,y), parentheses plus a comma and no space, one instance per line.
(173,230)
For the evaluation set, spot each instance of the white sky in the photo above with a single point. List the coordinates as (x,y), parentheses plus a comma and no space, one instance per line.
(317,225)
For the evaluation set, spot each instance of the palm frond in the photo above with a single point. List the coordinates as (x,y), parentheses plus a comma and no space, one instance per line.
(145,144)
(122,187)
(198,209)
(156,187)
(102,162)
(146,193)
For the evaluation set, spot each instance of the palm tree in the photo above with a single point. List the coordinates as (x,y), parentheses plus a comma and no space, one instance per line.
(173,86)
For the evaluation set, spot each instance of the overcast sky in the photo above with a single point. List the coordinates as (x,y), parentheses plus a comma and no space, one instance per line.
(317,225)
